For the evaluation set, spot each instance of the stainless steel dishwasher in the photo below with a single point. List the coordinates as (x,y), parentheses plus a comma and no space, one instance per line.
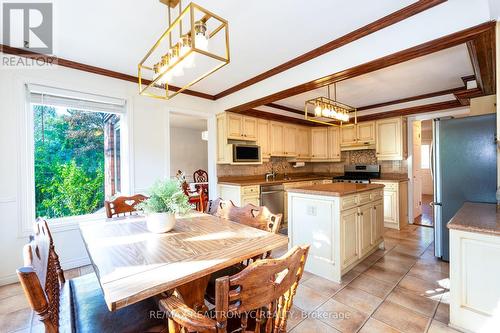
(272,196)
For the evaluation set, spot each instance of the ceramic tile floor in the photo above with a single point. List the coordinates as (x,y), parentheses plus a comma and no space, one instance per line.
(401,289)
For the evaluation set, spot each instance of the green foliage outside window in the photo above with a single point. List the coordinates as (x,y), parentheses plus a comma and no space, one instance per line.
(69,161)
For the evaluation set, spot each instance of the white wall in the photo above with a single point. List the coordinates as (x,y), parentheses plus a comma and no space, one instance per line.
(188,152)
(150,150)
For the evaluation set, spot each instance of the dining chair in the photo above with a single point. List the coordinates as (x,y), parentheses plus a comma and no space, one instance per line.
(250,215)
(197,197)
(200,176)
(78,304)
(123,205)
(257,299)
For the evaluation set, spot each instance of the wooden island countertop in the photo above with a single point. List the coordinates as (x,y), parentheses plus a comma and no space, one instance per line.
(477,217)
(335,189)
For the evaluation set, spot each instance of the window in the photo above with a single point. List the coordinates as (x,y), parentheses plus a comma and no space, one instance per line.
(77,154)
(425,156)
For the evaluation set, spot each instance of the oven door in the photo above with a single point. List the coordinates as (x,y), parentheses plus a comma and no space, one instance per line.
(246,153)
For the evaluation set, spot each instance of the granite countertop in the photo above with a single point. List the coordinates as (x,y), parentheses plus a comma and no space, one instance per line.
(477,217)
(335,189)
(260,180)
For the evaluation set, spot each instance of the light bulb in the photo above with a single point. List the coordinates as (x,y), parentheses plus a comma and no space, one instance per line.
(185,42)
(317,110)
(201,38)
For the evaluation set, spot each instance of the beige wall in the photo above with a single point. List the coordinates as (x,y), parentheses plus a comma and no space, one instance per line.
(188,152)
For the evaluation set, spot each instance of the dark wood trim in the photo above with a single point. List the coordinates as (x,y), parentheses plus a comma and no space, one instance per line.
(464,95)
(413,110)
(412,98)
(288,109)
(467,78)
(91,69)
(482,52)
(366,30)
(277,117)
(432,46)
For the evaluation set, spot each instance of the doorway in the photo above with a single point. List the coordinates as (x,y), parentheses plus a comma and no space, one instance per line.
(423,188)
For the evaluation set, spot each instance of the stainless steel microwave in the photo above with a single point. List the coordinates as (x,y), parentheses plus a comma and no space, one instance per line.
(246,153)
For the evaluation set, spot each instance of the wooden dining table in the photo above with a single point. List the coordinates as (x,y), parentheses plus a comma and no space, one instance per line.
(133,264)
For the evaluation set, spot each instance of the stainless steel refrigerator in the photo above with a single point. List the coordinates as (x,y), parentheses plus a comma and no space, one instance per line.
(464,168)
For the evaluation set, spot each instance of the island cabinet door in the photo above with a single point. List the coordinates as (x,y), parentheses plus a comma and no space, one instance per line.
(349,237)
(365,229)
(377,221)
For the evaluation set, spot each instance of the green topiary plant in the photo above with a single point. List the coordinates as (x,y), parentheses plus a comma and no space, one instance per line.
(166,197)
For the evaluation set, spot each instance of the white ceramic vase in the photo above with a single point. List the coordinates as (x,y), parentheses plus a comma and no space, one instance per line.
(160,222)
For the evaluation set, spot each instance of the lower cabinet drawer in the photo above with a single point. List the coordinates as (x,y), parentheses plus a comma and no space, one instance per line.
(364,198)
(348,202)
(376,195)
(250,190)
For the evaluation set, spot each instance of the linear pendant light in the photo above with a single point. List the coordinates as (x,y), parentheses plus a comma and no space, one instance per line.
(325,109)
(195,45)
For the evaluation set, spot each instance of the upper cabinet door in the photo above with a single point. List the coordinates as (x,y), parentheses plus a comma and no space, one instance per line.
(319,143)
(276,136)
(263,138)
(303,142)
(348,135)
(389,139)
(366,132)
(234,126)
(290,131)
(250,128)
(334,144)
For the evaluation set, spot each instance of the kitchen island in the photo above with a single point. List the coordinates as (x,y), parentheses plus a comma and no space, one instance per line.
(343,223)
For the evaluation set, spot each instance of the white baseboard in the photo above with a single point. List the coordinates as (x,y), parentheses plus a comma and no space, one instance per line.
(8,279)
(73,263)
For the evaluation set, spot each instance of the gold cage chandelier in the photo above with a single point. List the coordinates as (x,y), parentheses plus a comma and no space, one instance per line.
(195,45)
(326,108)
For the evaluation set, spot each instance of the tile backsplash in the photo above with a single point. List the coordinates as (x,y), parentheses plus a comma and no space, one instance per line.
(281,164)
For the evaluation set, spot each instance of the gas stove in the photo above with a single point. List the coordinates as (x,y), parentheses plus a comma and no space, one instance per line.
(359,173)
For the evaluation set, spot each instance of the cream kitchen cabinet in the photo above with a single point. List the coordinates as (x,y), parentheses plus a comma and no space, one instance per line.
(365,132)
(241,127)
(358,135)
(303,143)
(342,230)
(391,143)
(349,231)
(334,144)
(224,151)
(276,137)
(240,195)
(319,144)
(289,134)
(263,138)
(395,204)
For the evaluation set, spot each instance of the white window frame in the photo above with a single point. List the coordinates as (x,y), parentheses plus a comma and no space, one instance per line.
(26,172)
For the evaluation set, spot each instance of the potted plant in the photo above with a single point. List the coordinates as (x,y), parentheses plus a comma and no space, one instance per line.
(166,199)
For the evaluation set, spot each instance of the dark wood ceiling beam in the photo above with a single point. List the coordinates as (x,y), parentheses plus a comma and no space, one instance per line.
(91,69)
(412,98)
(464,95)
(432,46)
(482,55)
(393,18)
(468,78)
(413,110)
(278,117)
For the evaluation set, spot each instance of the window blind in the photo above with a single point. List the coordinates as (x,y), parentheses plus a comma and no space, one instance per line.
(74,100)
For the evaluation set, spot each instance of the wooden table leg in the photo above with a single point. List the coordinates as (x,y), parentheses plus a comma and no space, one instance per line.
(193,293)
